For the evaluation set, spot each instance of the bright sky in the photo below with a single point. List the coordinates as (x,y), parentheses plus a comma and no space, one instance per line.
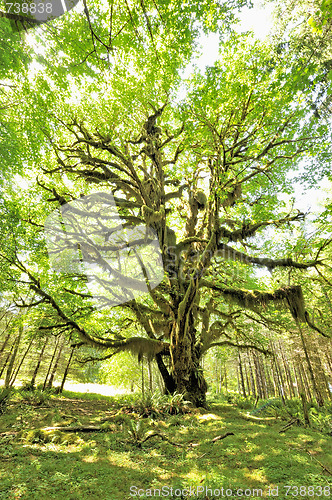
(258,19)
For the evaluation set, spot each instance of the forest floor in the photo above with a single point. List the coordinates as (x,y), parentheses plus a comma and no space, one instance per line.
(178,454)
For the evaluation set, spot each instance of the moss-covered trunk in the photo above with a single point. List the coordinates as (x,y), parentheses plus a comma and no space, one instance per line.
(185,368)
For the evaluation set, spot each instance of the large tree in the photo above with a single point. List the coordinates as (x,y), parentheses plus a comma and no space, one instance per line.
(184,183)
(203,178)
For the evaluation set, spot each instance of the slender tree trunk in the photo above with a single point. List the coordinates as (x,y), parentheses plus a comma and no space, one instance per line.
(281,379)
(241,375)
(12,381)
(150,376)
(299,387)
(263,377)
(288,377)
(142,379)
(252,380)
(247,378)
(259,384)
(66,370)
(226,380)
(277,375)
(269,380)
(305,409)
(51,363)
(55,366)
(7,358)
(320,370)
(306,383)
(3,347)
(317,393)
(216,371)
(222,380)
(40,358)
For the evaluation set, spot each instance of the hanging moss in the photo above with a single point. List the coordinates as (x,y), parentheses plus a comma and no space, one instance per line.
(291,296)
(142,346)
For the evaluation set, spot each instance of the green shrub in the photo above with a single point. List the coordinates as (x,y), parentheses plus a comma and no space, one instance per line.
(321,419)
(27,386)
(156,404)
(35,398)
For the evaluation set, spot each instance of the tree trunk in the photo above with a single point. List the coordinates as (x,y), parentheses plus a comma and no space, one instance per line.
(12,381)
(7,358)
(263,377)
(258,376)
(288,376)
(186,370)
(55,366)
(225,376)
(247,377)
(51,363)
(40,358)
(269,380)
(150,376)
(169,382)
(3,347)
(142,378)
(66,370)
(317,393)
(276,372)
(305,381)
(252,379)
(241,375)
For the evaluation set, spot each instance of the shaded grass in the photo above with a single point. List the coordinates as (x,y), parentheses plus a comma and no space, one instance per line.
(103,465)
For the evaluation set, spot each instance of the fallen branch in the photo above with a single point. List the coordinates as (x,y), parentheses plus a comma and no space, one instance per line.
(162,436)
(289,425)
(222,437)
(88,428)
(320,463)
(192,445)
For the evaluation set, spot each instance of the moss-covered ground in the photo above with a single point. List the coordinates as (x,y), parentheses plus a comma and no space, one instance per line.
(104,465)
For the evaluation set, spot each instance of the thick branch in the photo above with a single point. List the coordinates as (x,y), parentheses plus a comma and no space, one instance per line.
(227,252)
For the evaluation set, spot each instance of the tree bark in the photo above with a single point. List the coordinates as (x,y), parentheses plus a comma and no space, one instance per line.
(55,366)
(51,363)
(7,358)
(3,347)
(252,379)
(66,370)
(318,396)
(186,370)
(12,381)
(241,375)
(40,358)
